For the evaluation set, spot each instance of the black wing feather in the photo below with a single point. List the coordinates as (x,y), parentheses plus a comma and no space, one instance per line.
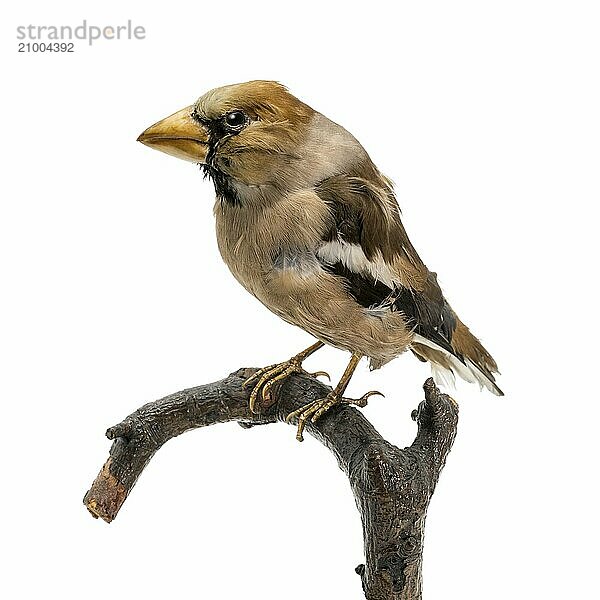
(429,315)
(364,212)
(367,215)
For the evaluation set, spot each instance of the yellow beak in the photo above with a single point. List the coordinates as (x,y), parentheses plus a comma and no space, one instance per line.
(178,135)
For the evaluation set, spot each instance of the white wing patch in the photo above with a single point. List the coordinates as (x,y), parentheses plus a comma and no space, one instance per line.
(353,258)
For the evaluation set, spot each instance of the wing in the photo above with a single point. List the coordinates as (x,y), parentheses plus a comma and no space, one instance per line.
(366,246)
(366,214)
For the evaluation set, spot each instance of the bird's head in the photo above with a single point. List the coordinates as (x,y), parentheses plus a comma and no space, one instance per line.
(255,135)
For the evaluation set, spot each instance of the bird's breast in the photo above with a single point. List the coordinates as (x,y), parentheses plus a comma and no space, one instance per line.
(258,238)
(276,260)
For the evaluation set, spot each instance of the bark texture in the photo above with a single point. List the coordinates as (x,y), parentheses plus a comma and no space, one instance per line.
(392,486)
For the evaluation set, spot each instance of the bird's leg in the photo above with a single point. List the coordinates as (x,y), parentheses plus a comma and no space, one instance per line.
(265,378)
(317,408)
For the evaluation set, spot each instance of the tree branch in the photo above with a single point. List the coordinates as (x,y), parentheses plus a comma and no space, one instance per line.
(392,487)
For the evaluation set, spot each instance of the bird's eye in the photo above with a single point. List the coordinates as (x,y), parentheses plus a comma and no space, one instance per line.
(235,119)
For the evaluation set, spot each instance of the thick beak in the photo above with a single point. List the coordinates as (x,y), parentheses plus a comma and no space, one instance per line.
(178,135)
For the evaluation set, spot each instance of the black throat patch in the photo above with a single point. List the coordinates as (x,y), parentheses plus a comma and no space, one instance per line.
(224,188)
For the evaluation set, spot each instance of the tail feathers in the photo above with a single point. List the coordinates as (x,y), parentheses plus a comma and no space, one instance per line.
(445,364)
(442,376)
(484,378)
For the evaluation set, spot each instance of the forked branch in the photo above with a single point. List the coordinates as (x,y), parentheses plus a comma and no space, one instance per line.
(392,486)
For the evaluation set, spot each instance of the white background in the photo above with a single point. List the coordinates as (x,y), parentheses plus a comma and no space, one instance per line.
(485,114)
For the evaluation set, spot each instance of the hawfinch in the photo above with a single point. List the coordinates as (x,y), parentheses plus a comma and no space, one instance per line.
(307,223)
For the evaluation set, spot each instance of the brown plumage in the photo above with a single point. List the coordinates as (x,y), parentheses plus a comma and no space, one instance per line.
(307,224)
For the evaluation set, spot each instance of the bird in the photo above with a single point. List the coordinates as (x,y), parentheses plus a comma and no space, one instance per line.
(308,225)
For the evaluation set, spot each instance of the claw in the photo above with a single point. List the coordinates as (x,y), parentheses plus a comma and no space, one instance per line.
(264,379)
(303,413)
(363,400)
(252,402)
(314,410)
(267,375)
(266,393)
(320,374)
